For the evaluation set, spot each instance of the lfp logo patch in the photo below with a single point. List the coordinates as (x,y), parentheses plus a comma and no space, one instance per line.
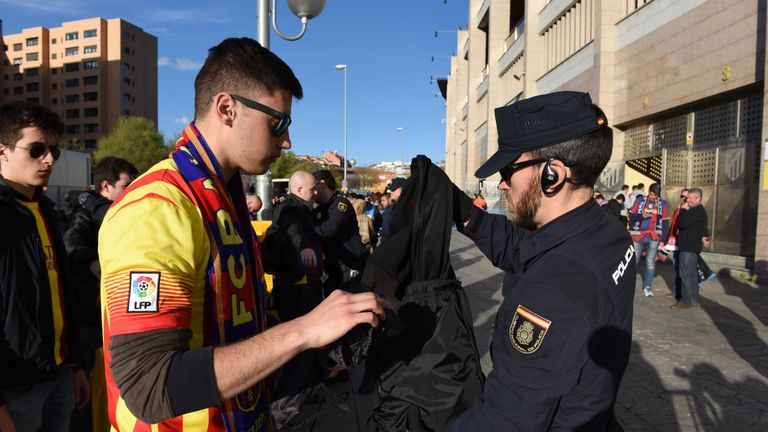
(145,288)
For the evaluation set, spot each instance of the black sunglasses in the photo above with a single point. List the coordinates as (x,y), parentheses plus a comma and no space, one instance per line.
(507,171)
(284,119)
(38,149)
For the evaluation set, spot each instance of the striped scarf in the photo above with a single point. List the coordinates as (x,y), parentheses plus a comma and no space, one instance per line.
(236,298)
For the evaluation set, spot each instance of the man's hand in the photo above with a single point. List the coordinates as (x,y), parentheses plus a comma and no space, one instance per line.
(82,389)
(308,258)
(6,423)
(685,206)
(338,314)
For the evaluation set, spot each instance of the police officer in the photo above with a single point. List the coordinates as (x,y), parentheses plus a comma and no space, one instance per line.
(337,231)
(562,335)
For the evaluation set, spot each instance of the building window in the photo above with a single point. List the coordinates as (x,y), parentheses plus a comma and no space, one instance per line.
(72,98)
(17,61)
(73,129)
(72,83)
(53,56)
(32,72)
(90,96)
(32,41)
(89,33)
(91,64)
(127,67)
(54,101)
(127,81)
(126,50)
(91,112)
(91,80)
(54,86)
(73,51)
(18,46)
(90,143)
(72,113)
(89,49)
(18,76)
(53,41)
(5,91)
(54,71)
(32,56)
(127,34)
(70,36)
(127,113)
(91,128)
(34,86)
(71,67)
(5,77)
(126,97)
(33,100)
(18,90)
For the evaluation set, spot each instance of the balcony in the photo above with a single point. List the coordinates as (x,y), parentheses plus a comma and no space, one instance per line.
(482,88)
(513,47)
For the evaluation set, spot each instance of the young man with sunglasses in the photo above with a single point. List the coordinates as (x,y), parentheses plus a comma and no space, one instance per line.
(41,380)
(183,293)
(562,336)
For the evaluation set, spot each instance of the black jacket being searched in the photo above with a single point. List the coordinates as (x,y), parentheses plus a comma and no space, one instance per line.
(26,318)
(430,367)
(692,226)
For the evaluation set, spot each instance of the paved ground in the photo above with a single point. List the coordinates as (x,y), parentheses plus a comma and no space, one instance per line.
(703,369)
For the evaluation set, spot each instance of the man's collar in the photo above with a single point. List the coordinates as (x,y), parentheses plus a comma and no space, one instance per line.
(559,230)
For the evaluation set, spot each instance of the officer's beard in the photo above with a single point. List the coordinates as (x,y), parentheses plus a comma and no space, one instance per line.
(528,204)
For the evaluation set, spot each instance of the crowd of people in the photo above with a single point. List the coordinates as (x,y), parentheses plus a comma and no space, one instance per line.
(154,284)
(659,233)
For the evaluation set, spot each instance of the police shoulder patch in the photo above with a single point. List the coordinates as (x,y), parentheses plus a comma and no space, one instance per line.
(527,330)
(144,292)
(342,207)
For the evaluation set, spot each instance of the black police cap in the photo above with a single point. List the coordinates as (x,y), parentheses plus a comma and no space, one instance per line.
(396,184)
(327,177)
(541,121)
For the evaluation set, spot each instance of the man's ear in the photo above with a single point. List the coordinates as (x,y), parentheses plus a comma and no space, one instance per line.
(103,186)
(222,108)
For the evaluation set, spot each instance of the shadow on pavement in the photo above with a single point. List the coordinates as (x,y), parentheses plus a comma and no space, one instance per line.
(643,398)
(753,297)
(710,400)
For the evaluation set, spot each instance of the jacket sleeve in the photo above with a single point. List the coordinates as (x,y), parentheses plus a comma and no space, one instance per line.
(81,253)
(495,236)
(291,220)
(331,227)
(523,390)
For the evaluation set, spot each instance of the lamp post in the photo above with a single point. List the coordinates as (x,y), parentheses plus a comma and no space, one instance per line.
(344,68)
(305,10)
(402,141)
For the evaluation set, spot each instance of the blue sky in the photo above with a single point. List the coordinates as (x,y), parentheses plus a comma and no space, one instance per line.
(387,45)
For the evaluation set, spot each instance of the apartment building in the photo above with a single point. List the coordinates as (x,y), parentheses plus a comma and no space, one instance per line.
(91,72)
(681,81)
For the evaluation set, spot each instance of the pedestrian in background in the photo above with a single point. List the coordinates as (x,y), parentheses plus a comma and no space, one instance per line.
(480,202)
(692,234)
(649,225)
(41,378)
(110,177)
(394,189)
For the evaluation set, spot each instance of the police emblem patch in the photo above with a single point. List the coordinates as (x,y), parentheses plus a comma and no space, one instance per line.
(527,330)
(144,291)
(342,207)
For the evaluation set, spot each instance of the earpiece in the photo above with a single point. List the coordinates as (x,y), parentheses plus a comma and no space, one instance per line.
(549,177)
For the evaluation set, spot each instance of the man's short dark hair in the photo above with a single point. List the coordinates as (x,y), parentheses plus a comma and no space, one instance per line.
(239,65)
(640,186)
(586,155)
(110,168)
(620,198)
(326,177)
(696,191)
(624,187)
(17,115)
(655,189)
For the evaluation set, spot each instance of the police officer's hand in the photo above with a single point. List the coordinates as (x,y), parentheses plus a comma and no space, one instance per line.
(462,207)
(308,257)
(338,314)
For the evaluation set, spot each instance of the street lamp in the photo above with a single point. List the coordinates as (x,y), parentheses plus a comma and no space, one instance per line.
(344,68)
(402,141)
(305,10)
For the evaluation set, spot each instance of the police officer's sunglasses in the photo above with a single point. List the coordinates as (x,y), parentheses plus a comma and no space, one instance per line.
(284,120)
(38,150)
(508,170)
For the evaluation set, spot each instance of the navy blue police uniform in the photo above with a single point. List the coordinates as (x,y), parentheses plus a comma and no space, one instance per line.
(561,339)
(339,235)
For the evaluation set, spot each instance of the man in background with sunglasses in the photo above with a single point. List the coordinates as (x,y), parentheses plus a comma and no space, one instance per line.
(562,335)
(41,380)
(186,344)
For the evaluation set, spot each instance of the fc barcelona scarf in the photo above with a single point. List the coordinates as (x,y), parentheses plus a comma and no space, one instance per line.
(236,298)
